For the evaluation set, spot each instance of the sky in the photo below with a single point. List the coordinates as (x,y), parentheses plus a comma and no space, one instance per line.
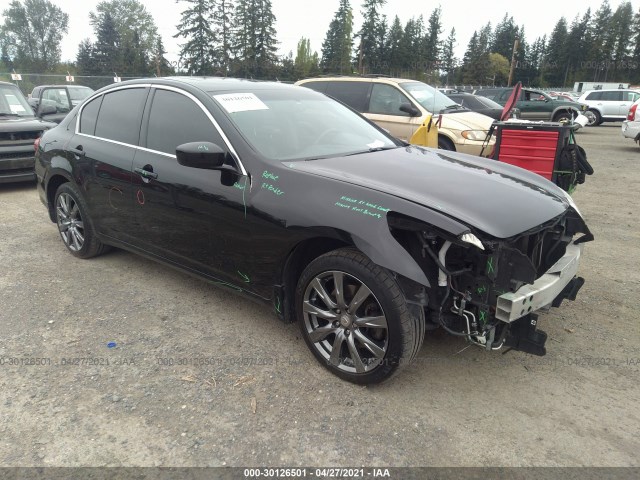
(298,18)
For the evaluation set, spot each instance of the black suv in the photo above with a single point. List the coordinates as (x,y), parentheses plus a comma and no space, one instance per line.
(19,129)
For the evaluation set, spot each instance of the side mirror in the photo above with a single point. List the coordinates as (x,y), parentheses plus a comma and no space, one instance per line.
(47,110)
(204,155)
(410,109)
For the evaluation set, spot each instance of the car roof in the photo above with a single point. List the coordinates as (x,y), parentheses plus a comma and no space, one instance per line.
(366,78)
(205,84)
(8,83)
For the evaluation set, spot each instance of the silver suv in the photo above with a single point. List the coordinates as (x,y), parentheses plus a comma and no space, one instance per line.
(608,105)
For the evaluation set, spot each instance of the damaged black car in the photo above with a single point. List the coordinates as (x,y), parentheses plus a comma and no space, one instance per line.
(284,195)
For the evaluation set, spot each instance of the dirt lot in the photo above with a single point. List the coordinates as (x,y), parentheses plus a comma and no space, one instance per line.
(252,395)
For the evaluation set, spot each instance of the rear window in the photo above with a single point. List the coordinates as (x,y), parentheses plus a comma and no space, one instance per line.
(354,94)
(89,116)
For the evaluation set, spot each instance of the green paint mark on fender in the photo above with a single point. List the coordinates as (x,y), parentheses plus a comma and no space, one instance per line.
(275,190)
(490,267)
(278,305)
(270,176)
(244,277)
(362,207)
(225,284)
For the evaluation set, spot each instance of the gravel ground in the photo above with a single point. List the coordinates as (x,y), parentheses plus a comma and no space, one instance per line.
(254,396)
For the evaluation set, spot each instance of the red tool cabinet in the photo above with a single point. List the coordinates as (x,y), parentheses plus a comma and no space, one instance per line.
(535,147)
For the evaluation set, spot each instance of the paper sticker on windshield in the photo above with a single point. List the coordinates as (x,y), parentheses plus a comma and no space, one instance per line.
(376,144)
(240,102)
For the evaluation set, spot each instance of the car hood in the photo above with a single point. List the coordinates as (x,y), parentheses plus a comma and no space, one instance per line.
(498,199)
(466,121)
(23,124)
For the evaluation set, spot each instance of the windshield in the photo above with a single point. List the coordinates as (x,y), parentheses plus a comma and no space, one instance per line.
(300,124)
(430,98)
(79,93)
(13,103)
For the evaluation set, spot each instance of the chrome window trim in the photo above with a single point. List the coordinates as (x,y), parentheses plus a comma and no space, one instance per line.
(225,139)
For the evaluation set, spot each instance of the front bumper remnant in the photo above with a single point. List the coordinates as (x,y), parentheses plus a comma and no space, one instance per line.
(558,281)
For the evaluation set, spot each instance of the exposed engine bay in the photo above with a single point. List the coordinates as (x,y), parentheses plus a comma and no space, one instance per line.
(489,290)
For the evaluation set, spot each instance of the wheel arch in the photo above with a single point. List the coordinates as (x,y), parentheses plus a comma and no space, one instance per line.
(54,181)
(564,109)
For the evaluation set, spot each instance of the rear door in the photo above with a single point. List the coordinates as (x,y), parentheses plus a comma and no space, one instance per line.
(628,99)
(611,101)
(104,147)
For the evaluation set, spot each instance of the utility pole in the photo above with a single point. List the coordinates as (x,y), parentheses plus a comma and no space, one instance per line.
(516,44)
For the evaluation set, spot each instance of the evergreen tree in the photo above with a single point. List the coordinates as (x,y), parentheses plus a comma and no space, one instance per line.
(432,50)
(223,30)
(255,38)
(557,55)
(393,47)
(622,23)
(107,52)
(504,37)
(448,57)
(198,53)
(85,62)
(338,42)
(369,35)
(161,66)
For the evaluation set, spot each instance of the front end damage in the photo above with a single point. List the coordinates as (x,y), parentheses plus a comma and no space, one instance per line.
(489,290)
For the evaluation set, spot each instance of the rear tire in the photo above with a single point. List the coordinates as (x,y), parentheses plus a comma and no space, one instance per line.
(74,224)
(365,333)
(597,118)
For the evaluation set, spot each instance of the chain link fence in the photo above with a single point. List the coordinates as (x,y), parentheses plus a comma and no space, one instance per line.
(27,81)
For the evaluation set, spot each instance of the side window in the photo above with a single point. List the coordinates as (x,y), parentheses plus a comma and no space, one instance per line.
(354,94)
(631,96)
(386,100)
(612,96)
(317,86)
(58,98)
(120,114)
(594,96)
(176,119)
(89,116)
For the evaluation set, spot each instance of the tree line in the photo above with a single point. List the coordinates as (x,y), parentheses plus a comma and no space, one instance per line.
(239,38)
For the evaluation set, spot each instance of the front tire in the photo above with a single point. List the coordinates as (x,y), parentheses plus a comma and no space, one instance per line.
(445,144)
(74,223)
(563,117)
(354,317)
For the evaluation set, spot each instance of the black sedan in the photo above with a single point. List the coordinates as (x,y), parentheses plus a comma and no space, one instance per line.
(479,104)
(289,197)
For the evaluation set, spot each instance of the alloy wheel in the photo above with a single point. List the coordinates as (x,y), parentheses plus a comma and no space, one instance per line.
(345,322)
(70,222)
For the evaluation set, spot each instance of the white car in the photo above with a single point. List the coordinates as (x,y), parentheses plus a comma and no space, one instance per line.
(608,105)
(631,126)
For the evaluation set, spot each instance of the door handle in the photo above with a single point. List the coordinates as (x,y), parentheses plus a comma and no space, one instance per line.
(79,151)
(145,172)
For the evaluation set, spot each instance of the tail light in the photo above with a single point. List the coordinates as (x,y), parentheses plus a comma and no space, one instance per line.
(36,144)
(632,112)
